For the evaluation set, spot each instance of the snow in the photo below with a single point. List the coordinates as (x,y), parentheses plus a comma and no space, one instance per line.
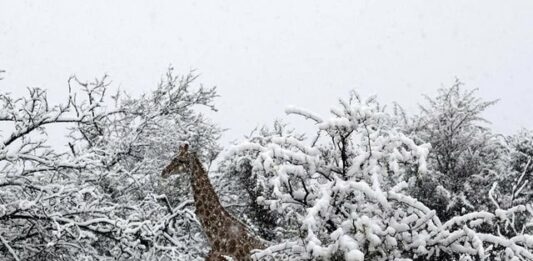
(94,201)
(365,195)
(356,191)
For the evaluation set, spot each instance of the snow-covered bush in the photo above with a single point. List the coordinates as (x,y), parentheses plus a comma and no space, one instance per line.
(518,185)
(346,189)
(466,157)
(238,183)
(514,187)
(101,197)
(352,192)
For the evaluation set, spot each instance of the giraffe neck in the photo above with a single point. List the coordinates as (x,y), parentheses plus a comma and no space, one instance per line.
(208,208)
(203,191)
(225,234)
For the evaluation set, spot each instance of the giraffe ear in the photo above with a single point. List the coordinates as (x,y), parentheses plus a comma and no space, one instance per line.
(184,147)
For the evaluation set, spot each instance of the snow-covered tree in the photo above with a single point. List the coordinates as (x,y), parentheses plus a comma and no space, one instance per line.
(349,193)
(346,191)
(101,198)
(513,187)
(238,183)
(466,157)
(520,181)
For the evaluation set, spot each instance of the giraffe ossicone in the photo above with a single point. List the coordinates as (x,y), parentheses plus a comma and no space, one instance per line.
(226,235)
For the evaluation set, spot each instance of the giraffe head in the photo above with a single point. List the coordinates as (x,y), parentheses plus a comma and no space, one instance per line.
(179,164)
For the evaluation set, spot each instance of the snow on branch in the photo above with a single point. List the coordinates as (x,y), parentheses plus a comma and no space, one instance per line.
(303,113)
(93,200)
(347,195)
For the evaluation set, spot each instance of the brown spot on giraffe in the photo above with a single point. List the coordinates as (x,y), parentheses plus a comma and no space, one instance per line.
(225,234)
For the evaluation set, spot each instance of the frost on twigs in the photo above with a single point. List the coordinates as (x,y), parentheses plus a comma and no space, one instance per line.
(342,196)
(100,196)
(466,157)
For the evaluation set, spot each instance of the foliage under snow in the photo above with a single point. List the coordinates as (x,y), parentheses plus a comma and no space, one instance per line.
(347,190)
(101,198)
(369,185)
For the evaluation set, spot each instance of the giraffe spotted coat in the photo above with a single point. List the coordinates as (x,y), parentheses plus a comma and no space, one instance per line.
(225,234)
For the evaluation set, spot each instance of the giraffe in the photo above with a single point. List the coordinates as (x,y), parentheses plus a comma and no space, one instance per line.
(225,234)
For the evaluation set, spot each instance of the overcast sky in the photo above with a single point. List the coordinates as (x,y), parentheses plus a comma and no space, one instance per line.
(265,55)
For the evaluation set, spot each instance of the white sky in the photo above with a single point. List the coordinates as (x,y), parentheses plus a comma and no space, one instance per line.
(265,55)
